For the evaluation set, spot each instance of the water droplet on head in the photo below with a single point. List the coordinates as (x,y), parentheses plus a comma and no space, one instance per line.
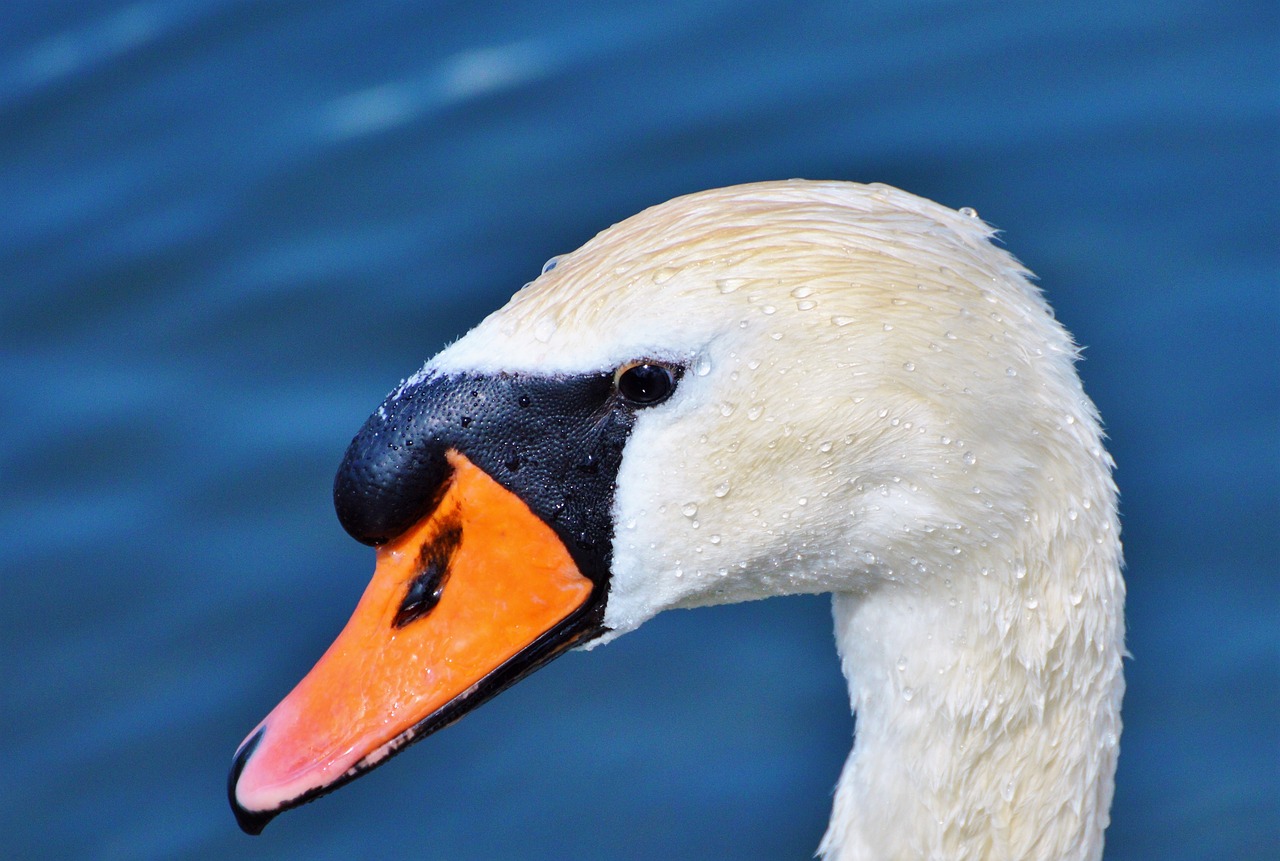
(1010,372)
(689,509)
(545,328)
(728,285)
(902,664)
(722,490)
(968,212)
(665,274)
(908,366)
(702,365)
(840,320)
(908,694)
(1020,570)
(550,264)
(969,458)
(1006,791)
(768,309)
(754,411)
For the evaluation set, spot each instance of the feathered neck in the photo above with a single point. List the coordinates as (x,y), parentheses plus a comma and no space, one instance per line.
(988,706)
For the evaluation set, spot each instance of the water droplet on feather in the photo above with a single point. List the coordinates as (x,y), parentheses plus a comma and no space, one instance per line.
(544,329)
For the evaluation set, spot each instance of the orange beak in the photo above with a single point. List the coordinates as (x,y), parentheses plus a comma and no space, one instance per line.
(471,598)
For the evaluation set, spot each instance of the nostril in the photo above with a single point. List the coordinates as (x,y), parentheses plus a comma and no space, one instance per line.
(427,587)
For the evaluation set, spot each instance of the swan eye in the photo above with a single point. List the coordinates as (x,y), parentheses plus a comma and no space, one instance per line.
(643,384)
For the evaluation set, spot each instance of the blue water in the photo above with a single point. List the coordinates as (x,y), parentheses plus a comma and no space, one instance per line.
(229,228)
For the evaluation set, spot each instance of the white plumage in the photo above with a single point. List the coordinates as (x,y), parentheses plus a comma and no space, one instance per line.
(877,404)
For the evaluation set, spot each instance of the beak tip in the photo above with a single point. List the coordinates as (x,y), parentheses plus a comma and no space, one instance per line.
(250,821)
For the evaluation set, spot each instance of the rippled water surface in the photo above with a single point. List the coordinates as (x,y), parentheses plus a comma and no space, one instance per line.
(229,228)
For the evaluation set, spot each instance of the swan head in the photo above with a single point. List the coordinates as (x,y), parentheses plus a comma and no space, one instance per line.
(778,388)
(863,376)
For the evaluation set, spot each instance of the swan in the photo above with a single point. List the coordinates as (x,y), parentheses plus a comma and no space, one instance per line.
(768,389)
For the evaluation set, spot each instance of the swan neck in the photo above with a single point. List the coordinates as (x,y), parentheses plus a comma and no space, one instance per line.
(987,719)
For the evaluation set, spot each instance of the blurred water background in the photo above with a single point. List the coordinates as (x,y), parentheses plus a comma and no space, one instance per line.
(229,228)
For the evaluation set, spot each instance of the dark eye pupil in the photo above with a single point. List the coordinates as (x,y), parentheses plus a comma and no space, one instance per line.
(645,385)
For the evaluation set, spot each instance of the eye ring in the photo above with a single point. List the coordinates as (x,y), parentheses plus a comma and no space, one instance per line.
(645,383)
